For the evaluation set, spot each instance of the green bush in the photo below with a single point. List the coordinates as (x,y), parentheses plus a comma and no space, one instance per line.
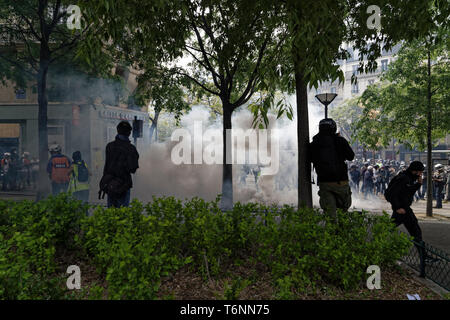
(134,248)
(310,247)
(30,234)
(130,248)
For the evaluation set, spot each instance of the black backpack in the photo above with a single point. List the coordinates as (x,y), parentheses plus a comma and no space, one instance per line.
(111,183)
(326,158)
(83,173)
(391,186)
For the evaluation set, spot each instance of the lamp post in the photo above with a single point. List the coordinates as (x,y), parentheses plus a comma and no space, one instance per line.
(326,99)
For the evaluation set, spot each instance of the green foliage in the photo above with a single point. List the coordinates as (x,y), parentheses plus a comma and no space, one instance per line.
(129,248)
(399,107)
(321,250)
(134,248)
(232,291)
(30,234)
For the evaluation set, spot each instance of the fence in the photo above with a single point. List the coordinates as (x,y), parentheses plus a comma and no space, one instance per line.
(430,262)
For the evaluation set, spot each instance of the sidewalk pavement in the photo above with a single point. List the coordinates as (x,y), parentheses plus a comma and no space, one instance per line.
(420,209)
(379,204)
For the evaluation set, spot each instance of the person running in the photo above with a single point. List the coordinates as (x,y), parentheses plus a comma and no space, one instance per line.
(400,194)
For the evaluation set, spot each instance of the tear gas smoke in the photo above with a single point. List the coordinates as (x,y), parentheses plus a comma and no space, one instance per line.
(159,176)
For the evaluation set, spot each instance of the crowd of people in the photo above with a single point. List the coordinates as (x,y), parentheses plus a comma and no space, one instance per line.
(370,178)
(18,172)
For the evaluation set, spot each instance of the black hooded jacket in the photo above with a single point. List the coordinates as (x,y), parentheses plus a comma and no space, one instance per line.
(121,160)
(404,187)
(328,153)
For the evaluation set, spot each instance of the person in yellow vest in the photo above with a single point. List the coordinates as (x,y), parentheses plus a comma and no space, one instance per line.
(79,178)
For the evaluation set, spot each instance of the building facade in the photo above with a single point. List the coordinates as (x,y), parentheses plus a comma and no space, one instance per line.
(86,126)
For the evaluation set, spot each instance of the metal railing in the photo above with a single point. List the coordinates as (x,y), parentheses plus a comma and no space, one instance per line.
(430,262)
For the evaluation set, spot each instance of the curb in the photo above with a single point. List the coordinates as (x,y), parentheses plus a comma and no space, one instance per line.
(425,281)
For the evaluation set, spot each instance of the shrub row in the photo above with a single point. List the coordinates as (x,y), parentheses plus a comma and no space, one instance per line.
(133,248)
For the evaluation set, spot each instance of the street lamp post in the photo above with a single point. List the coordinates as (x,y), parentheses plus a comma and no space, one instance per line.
(326,99)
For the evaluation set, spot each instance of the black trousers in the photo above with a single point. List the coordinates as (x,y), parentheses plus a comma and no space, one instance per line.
(410,222)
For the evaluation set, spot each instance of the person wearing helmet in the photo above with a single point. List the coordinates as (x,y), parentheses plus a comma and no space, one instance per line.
(400,194)
(58,169)
(439,180)
(328,152)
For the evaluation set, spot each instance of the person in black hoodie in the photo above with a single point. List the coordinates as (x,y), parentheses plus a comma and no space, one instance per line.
(328,152)
(122,159)
(401,195)
(403,187)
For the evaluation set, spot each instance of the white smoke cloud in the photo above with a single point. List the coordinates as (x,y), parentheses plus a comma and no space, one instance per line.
(159,176)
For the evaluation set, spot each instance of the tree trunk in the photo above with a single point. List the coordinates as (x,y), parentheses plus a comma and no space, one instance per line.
(304,192)
(429,145)
(43,182)
(227,173)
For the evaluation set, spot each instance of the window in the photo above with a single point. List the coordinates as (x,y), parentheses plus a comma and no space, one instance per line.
(384,65)
(21,94)
(355,88)
(355,69)
(371,82)
(333,89)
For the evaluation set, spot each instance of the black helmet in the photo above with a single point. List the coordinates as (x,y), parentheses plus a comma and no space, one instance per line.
(416,166)
(76,156)
(327,125)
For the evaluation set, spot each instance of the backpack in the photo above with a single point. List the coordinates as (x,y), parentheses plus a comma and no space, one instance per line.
(83,173)
(111,184)
(388,194)
(326,157)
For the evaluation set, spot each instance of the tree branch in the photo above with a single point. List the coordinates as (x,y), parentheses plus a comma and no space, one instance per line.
(30,25)
(197,82)
(241,100)
(195,57)
(17,65)
(202,48)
